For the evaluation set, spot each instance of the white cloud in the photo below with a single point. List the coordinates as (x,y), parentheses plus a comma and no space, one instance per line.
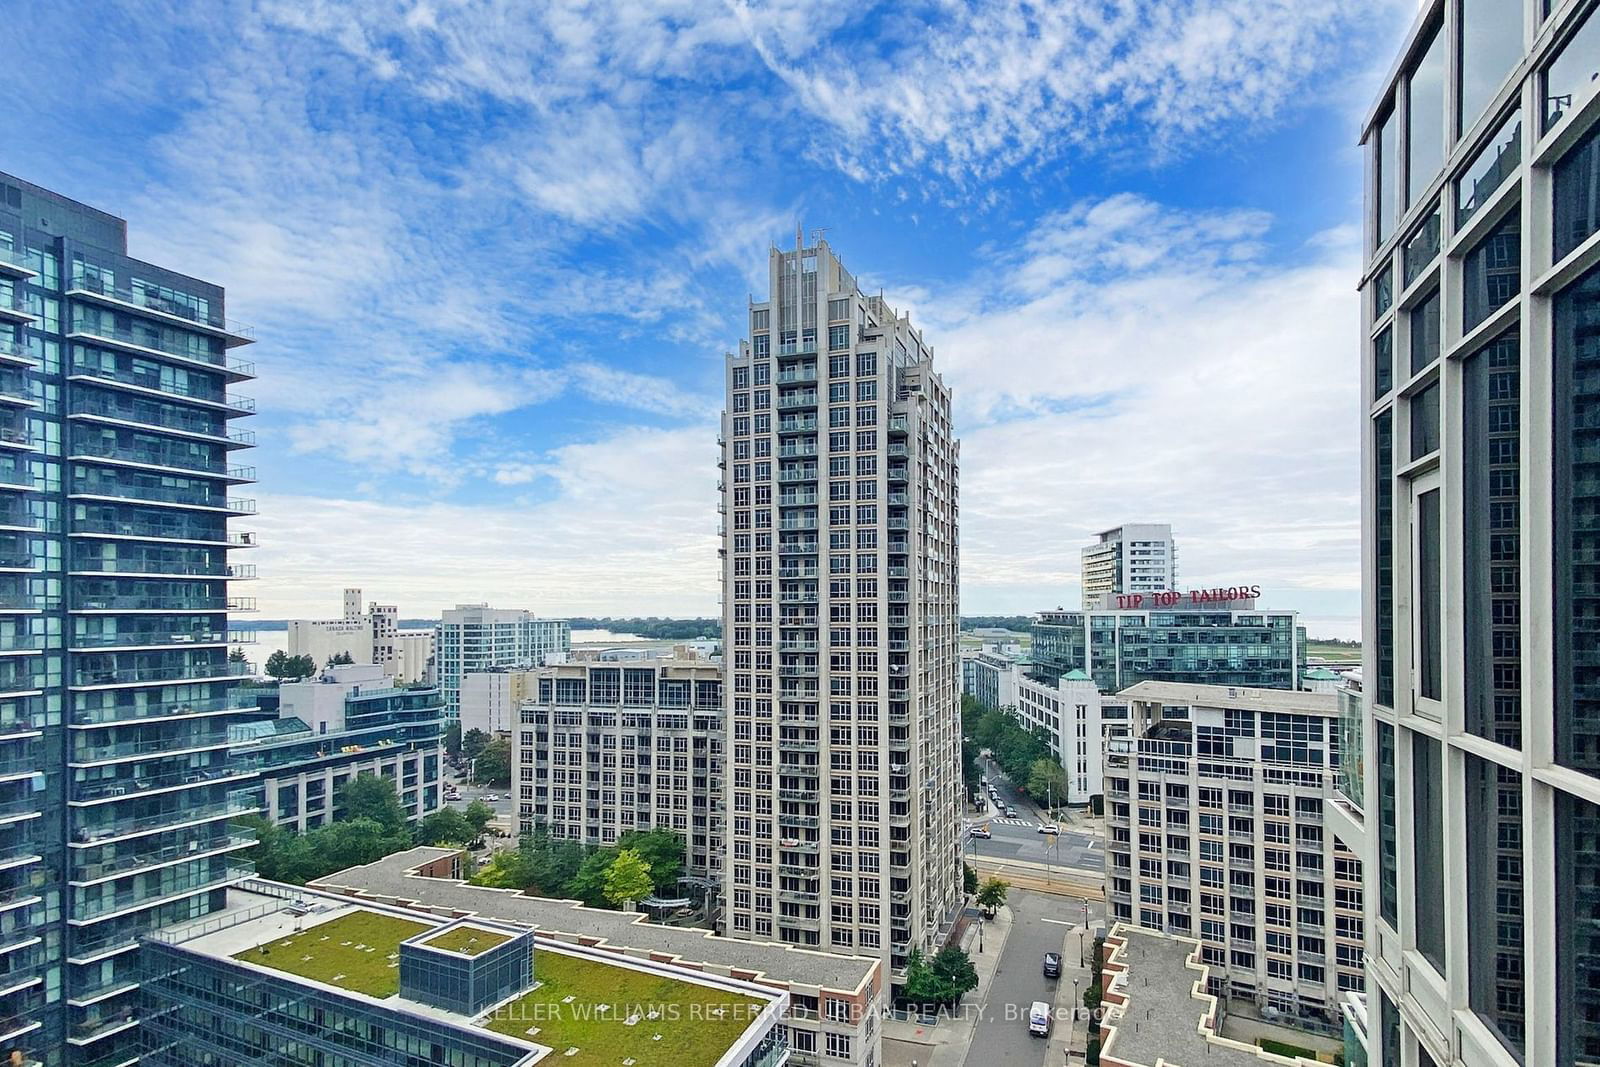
(631,528)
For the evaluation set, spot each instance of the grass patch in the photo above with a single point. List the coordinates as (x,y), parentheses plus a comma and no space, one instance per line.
(1284,1048)
(697,1023)
(351,952)
(467,940)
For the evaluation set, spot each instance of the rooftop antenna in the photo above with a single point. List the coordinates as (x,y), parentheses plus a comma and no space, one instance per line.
(816,234)
(799,237)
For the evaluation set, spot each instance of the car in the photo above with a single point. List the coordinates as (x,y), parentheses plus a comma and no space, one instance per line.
(490,798)
(980,831)
(1052,965)
(1049,828)
(1011,813)
(986,779)
(1039,1019)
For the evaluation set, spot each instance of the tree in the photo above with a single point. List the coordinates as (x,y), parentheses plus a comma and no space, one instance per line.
(628,879)
(955,967)
(662,850)
(447,825)
(478,816)
(473,744)
(372,796)
(278,664)
(494,763)
(588,882)
(992,895)
(341,659)
(1047,780)
(237,655)
(285,856)
(923,986)
(452,740)
(969,879)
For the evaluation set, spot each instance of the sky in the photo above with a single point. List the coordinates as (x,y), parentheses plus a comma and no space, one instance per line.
(494,253)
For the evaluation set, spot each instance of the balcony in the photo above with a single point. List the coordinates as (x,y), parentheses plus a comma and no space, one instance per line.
(14,263)
(796,500)
(16,603)
(797,375)
(116,829)
(790,401)
(806,522)
(100,870)
(119,750)
(156,602)
(164,461)
(898,474)
(153,303)
(797,474)
(166,495)
(93,677)
(164,569)
(797,548)
(105,789)
(160,531)
(798,424)
(14,305)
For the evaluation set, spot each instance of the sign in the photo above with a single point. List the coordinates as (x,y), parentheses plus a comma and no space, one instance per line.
(1192,598)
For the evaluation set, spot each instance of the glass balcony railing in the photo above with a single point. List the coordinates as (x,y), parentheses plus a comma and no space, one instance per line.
(152,414)
(236,699)
(131,787)
(183,346)
(149,746)
(162,530)
(154,300)
(175,568)
(129,489)
(192,390)
(146,638)
(190,814)
(110,903)
(96,870)
(11,601)
(159,602)
(184,672)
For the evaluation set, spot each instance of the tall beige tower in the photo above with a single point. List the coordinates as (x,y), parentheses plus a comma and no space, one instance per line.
(840,616)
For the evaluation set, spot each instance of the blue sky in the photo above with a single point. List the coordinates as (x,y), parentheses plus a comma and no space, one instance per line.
(493,253)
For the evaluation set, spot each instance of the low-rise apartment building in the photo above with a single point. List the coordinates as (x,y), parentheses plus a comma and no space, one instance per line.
(1217,828)
(834,1000)
(345,722)
(605,748)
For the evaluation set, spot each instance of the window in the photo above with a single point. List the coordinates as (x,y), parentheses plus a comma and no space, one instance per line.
(1425,333)
(1492,271)
(1570,79)
(1425,137)
(1425,422)
(1388,867)
(1577,194)
(1421,248)
(838,337)
(1383,363)
(1490,169)
(1386,180)
(1577,939)
(1382,292)
(1430,629)
(1383,551)
(1427,826)
(1494,899)
(1576,538)
(1492,527)
(1491,44)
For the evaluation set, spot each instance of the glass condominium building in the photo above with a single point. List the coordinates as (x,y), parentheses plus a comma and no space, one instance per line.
(117,474)
(1480,364)
(476,637)
(843,772)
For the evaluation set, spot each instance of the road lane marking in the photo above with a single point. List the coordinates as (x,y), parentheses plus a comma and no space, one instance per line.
(1058,922)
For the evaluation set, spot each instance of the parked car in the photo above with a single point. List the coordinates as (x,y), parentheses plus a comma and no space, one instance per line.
(1011,813)
(981,831)
(1039,1019)
(1052,965)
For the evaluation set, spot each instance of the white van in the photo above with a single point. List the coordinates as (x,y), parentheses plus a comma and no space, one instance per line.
(1039,1019)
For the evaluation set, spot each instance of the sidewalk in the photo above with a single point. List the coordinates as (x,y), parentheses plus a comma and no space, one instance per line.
(945,1044)
(1054,878)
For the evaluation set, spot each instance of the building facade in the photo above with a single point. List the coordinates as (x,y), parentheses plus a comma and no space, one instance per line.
(490,699)
(414,657)
(1481,313)
(345,722)
(840,577)
(989,678)
(367,635)
(118,475)
(1134,558)
(603,749)
(1069,714)
(476,637)
(1216,829)
(1224,643)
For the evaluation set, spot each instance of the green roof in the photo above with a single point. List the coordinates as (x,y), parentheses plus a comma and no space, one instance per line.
(1075,676)
(1321,674)
(358,951)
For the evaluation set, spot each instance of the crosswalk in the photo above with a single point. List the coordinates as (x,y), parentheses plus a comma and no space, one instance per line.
(1015,822)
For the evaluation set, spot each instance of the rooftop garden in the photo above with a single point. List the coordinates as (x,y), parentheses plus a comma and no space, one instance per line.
(359,952)
(467,940)
(613,1014)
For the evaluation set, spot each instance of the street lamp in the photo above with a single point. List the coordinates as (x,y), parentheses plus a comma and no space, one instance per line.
(1073,1032)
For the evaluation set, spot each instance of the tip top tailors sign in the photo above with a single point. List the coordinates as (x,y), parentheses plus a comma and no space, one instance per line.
(1190,598)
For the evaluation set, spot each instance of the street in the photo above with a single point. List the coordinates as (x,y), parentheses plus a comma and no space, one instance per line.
(1019,838)
(1040,922)
(505,809)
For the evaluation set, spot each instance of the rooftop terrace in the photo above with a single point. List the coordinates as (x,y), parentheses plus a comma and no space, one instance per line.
(585,1008)
(1157,1013)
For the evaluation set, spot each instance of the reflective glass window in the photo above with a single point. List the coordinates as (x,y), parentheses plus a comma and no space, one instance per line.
(1492,271)
(1383,363)
(1492,532)
(1388,866)
(1577,997)
(1577,532)
(1577,194)
(1425,110)
(1421,248)
(1430,630)
(1490,169)
(1425,422)
(1387,179)
(1382,292)
(1573,74)
(1491,44)
(1425,333)
(1494,899)
(1427,828)
(1383,551)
